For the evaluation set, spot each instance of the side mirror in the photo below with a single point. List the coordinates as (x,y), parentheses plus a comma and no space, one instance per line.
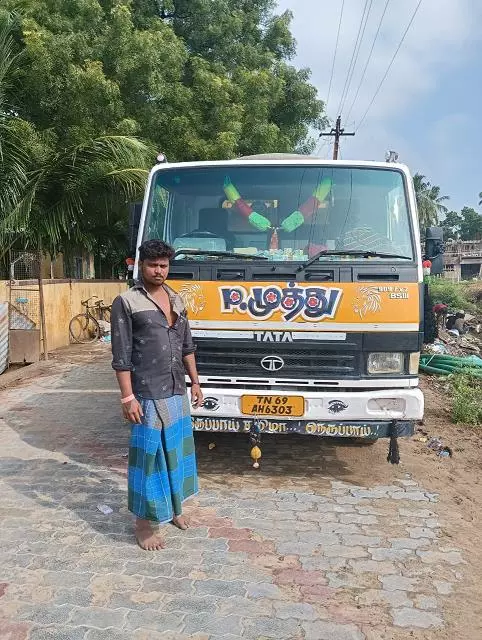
(434,249)
(135,211)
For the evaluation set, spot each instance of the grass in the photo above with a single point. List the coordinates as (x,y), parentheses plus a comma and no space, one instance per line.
(475,293)
(457,295)
(467,399)
(466,388)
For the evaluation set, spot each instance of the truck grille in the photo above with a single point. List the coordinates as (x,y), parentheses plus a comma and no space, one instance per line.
(301,359)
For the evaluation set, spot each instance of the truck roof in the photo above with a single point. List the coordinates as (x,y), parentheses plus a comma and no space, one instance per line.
(285,158)
(278,156)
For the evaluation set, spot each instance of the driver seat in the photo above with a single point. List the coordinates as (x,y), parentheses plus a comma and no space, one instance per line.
(215,221)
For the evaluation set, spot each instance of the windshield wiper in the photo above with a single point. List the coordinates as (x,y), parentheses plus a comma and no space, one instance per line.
(356,254)
(220,254)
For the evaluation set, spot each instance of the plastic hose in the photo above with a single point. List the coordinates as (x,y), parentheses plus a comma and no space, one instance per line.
(426,369)
(469,361)
(455,362)
(444,364)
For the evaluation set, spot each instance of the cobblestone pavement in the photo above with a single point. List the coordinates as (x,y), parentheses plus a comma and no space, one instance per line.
(293,551)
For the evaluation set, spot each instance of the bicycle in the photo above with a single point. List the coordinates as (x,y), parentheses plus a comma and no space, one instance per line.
(103,311)
(83,327)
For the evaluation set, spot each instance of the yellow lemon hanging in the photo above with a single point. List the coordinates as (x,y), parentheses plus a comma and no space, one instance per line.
(256,455)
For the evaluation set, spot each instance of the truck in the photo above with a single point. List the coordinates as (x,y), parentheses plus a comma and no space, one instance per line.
(303,282)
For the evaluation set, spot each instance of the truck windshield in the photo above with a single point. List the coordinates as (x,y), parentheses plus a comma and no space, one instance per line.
(281,213)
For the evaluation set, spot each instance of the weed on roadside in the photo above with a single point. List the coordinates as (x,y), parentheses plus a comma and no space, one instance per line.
(467,399)
(457,295)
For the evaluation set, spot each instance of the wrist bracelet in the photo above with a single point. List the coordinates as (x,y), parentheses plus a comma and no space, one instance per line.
(193,384)
(128,399)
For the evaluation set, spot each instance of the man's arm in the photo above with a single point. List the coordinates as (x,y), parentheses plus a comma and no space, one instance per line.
(131,408)
(189,360)
(121,332)
(191,370)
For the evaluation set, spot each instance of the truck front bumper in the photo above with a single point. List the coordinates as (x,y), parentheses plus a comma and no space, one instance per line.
(366,414)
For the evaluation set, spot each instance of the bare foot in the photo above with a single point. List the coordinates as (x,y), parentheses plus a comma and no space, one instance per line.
(181,522)
(148,536)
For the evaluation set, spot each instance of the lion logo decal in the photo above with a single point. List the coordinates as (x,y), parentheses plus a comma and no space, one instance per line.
(368,300)
(193,297)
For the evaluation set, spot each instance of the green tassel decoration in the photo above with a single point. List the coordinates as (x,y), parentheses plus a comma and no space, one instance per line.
(293,221)
(259,221)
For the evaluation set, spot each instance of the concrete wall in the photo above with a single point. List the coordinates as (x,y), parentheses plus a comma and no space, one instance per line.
(63,300)
(3,291)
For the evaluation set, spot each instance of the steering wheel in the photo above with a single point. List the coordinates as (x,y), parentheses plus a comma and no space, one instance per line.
(199,234)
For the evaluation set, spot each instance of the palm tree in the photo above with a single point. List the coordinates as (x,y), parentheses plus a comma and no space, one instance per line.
(72,192)
(12,153)
(480,198)
(52,197)
(429,201)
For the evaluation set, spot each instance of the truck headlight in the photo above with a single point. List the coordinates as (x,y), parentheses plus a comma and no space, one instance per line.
(385,363)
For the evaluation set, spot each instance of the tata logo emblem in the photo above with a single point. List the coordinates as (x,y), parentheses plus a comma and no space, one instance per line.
(273,336)
(272,363)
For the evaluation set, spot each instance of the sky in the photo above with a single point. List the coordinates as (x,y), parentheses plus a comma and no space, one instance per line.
(428,108)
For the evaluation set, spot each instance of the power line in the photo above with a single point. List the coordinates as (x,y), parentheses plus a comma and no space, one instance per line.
(334,55)
(353,54)
(390,65)
(355,50)
(321,146)
(357,54)
(368,59)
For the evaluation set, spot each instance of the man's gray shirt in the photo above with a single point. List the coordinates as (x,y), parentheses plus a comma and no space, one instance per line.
(144,344)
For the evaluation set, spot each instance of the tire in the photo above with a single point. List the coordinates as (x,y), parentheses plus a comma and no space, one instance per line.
(106,314)
(83,328)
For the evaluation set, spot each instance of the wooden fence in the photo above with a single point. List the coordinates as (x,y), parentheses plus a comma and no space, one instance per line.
(62,300)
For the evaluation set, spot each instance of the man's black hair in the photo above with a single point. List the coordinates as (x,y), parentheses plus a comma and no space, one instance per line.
(153,249)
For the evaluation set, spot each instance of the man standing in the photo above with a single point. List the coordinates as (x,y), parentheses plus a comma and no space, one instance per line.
(152,350)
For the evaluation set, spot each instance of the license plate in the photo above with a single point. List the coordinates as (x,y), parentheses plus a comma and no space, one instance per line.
(273,405)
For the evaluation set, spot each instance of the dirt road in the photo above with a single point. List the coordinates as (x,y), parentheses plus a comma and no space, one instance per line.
(326,541)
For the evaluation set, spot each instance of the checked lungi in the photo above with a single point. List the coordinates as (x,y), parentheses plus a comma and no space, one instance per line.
(162,470)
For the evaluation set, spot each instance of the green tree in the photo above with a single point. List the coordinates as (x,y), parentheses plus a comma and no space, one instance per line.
(234,33)
(466,224)
(429,201)
(12,130)
(52,195)
(200,79)
(471,224)
(451,225)
(196,79)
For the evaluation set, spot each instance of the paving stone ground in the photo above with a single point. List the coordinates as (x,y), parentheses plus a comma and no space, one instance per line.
(291,552)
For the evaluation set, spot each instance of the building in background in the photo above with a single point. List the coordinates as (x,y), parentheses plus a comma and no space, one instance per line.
(463,260)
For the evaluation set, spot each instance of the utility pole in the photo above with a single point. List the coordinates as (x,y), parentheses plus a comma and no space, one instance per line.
(337,132)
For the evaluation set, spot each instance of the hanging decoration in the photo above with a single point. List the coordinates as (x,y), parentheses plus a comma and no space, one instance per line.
(289,224)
